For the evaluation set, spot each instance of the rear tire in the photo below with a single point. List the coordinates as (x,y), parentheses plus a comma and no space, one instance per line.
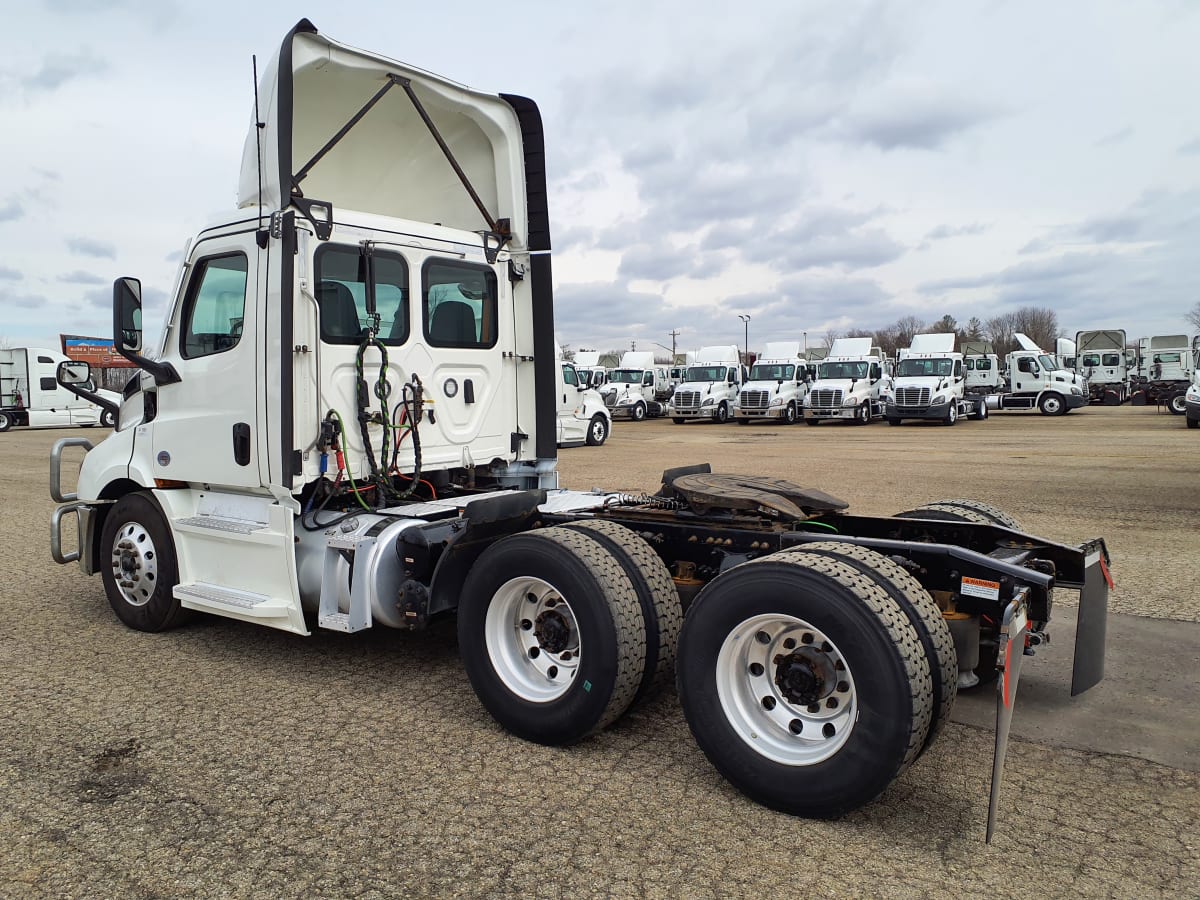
(922,612)
(963,511)
(662,609)
(6,421)
(981,412)
(552,635)
(138,565)
(746,691)
(1177,403)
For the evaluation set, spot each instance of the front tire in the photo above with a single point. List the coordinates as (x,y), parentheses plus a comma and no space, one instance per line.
(639,412)
(893,420)
(804,683)
(862,415)
(552,635)
(1193,423)
(107,419)
(6,421)
(678,420)
(812,420)
(789,414)
(1052,405)
(597,432)
(721,416)
(951,414)
(138,565)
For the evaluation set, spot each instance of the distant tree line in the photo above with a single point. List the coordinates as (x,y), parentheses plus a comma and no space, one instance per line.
(1037,323)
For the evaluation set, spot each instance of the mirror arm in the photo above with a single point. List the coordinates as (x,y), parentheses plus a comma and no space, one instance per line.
(162,372)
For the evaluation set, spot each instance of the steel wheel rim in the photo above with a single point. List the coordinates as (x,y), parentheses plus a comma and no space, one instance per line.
(598,430)
(525,639)
(134,563)
(1052,404)
(1179,403)
(762,713)
(952,415)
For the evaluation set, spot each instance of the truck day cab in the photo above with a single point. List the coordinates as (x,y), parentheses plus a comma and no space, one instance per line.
(776,388)
(351,424)
(582,416)
(1166,363)
(1100,358)
(1035,381)
(31,395)
(637,388)
(930,384)
(710,387)
(851,384)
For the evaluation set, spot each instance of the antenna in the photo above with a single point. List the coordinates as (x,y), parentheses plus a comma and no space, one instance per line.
(258,127)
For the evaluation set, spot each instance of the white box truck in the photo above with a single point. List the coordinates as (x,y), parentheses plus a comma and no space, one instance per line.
(343,429)
(851,384)
(30,395)
(635,389)
(776,387)
(1100,358)
(930,384)
(710,386)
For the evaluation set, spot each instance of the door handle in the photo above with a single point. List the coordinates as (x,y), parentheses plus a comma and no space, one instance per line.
(241,444)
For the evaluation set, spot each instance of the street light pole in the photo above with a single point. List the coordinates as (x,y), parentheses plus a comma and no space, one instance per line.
(746,322)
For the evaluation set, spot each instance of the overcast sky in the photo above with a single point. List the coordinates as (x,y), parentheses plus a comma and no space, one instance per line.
(814,165)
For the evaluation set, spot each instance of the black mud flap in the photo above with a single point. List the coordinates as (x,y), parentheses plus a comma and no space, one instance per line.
(1012,645)
(1092,629)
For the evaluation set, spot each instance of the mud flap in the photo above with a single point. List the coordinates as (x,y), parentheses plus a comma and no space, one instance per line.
(1012,645)
(1088,667)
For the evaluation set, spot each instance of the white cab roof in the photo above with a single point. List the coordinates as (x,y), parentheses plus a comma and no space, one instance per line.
(858,348)
(932,343)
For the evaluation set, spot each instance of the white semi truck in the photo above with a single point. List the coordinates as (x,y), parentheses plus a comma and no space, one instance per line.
(350,423)
(776,387)
(582,416)
(851,384)
(1033,380)
(637,388)
(930,383)
(591,373)
(1100,358)
(982,367)
(710,387)
(1166,363)
(30,395)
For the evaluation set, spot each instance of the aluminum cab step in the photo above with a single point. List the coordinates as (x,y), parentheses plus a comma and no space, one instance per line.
(224,601)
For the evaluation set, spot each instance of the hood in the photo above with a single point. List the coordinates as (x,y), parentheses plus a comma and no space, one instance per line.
(770,385)
(918,381)
(845,385)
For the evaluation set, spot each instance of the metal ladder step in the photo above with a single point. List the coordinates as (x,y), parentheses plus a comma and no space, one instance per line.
(333,577)
(223,600)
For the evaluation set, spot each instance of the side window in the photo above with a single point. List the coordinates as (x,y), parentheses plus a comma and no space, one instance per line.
(1025,365)
(958,368)
(215,305)
(648,378)
(1112,359)
(45,359)
(875,372)
(341,292)
(459,304)
(48,384)
(569,375)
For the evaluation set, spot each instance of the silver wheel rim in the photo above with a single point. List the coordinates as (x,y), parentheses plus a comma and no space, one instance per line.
(532,638)
(953,414)
(1052,405)
(1179,404)
(768,715)
(598,430)
(3,420)
(134,564)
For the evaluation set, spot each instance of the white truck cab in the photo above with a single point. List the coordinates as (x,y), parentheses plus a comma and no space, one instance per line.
(930,383)
(851,384)
(1034,380)
(1100,357)
(582,415)
(776,387)
(587,367)
(710,386)
(982,367)
(30,394)
(635,389)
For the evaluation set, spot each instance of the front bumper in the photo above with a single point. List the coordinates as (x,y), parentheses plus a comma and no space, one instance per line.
(771,412)
(703,412)
(935,411)
(1075,401)
(830,412)
(1193,411)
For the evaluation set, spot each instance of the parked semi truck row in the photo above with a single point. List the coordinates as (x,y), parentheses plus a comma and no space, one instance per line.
(345,428)
(31,396)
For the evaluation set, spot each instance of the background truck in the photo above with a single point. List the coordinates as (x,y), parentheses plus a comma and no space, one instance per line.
(1033,380)
(1166,363)
(982,367)
(930,384)
(582,416)
(30,395)
(587,366)
(1100,358)
(341,431)
(637,388)
(851,384)
(776,387)
(710,387)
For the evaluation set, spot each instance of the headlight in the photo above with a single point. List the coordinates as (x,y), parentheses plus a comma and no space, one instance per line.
(853,401)
(708,402)
(777,401)
(624,401)
(938,398)
(1076,391)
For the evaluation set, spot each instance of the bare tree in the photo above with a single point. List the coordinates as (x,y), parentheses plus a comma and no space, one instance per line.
(1193,316)
(906,329)
(974,330)
(999,331)
(1039,324)
(830,336)
(945,325)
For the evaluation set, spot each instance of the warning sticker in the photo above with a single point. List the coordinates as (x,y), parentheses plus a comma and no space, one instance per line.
(977,587)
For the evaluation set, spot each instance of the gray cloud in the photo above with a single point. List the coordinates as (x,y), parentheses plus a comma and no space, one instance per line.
(28,301)
(920,123)
(942,232)
(1191,148)
(80,277)
(91,247)
(7,274)
(11,210)
(58,69)
(1120,136)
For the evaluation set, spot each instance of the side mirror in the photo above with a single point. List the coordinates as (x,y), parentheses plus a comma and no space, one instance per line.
(127,315)
(73,372)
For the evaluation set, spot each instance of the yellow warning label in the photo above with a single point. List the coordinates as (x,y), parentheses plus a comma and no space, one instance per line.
(978,587)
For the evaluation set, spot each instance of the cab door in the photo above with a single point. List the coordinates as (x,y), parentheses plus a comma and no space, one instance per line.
(570,429)
(203,428)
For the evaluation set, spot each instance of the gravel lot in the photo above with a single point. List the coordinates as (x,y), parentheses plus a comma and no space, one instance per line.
(225,760)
